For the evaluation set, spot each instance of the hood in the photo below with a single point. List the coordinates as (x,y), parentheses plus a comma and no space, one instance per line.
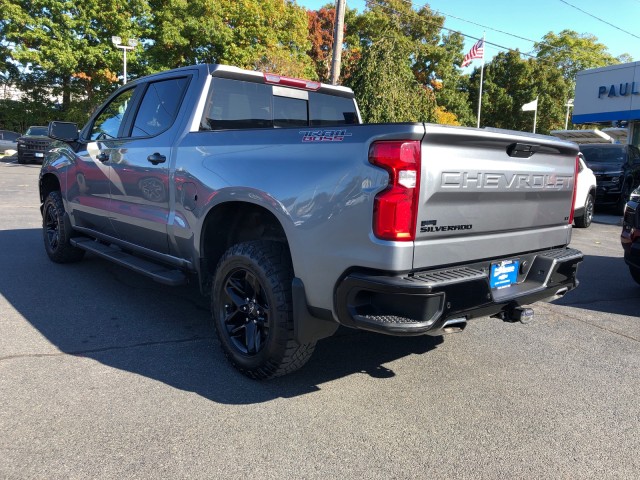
(34,137)
(604,167)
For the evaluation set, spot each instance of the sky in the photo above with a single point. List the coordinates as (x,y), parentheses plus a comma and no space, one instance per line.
(503,21)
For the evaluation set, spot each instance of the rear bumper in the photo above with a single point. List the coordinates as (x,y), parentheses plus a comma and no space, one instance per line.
(608,194)
(425,302)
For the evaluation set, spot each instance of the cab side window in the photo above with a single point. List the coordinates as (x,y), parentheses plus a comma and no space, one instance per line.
(159,107)
(107,124)
(235,104)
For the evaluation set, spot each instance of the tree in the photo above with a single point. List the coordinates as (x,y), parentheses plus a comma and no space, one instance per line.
(386,88)
(452,89)
(255,34)
(510,82)
(321,38)
(68,43)
(433,58)
(572,52)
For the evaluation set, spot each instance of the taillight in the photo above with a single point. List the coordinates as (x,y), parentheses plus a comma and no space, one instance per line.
(575,189)
(396,208)
(291,82)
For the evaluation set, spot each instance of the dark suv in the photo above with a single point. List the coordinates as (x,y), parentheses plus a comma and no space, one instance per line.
(617,170)
(33,145)
(630,236)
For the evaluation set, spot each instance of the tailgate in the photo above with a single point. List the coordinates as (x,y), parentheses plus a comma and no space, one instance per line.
(491,193)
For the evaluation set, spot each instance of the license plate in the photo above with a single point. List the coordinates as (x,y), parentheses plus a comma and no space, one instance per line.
(39,155)
(504,273)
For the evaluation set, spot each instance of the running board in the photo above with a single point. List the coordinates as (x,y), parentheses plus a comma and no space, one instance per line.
(155,271)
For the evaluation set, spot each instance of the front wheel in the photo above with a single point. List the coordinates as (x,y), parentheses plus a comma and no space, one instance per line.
(56,233)
(252,310)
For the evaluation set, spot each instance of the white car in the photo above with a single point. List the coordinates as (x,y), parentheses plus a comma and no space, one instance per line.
(585,196)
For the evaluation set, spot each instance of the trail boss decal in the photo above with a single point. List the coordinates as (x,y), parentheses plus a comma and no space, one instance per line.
(323,135)
(429,226)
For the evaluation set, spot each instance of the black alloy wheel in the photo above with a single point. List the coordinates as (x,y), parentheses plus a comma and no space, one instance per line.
(246,311)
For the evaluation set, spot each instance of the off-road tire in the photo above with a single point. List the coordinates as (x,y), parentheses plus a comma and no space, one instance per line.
(584,220)
(635,274)
(55,232)
(252,310)
(21,159)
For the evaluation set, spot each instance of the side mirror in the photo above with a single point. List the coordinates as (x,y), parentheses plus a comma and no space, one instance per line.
(65,131)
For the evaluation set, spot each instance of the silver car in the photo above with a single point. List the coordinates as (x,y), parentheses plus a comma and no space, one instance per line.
(8,141)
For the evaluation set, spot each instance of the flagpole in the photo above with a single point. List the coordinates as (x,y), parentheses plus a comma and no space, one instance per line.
(535,116)
(481,81)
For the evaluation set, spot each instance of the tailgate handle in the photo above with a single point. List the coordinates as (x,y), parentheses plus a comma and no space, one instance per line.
(522,150)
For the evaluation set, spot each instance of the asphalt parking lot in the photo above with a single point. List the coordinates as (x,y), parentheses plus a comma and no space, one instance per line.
(105,374)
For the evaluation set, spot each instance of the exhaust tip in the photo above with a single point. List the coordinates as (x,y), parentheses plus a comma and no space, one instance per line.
(454,325)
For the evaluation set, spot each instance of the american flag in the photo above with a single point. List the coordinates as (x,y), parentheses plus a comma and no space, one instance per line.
(477,51)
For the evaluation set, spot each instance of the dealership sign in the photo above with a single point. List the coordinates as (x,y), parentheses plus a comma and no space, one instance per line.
(608,94)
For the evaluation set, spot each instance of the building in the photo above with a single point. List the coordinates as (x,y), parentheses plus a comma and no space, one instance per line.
(611,96)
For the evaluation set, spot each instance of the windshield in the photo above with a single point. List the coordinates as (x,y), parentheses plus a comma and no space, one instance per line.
(37,131)
(593,154)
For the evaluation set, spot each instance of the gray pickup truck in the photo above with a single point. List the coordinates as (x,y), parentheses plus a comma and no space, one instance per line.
(295,218)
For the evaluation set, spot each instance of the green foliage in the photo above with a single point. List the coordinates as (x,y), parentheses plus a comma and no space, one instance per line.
(269,35)
(510,82)
(396,58)
(386,88)
(70,40)
(451,88)
(572,52)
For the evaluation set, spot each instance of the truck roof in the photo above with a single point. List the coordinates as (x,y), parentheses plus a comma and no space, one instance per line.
(228,71)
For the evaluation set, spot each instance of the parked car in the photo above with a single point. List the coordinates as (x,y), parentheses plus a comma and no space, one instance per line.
(617,170)
(8,141)
(630,236)
(585,196)
(33,145)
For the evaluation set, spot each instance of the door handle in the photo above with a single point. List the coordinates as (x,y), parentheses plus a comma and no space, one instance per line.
(103,157)
(156,158)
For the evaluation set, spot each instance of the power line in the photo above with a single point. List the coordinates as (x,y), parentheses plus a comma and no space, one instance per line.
(600,19)
(391,10)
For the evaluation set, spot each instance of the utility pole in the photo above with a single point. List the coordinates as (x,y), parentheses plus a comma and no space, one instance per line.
(337,41)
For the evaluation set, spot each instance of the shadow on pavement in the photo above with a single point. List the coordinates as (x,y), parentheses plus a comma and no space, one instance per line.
(97,310)
(605,286)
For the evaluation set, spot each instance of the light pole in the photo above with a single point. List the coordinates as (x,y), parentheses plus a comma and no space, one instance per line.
(569,104)
(132,43)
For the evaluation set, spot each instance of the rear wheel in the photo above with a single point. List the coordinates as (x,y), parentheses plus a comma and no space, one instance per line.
(584,220)
(252,310)
(56,233)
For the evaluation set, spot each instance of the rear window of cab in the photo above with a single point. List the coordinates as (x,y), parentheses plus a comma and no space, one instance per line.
(236,104)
